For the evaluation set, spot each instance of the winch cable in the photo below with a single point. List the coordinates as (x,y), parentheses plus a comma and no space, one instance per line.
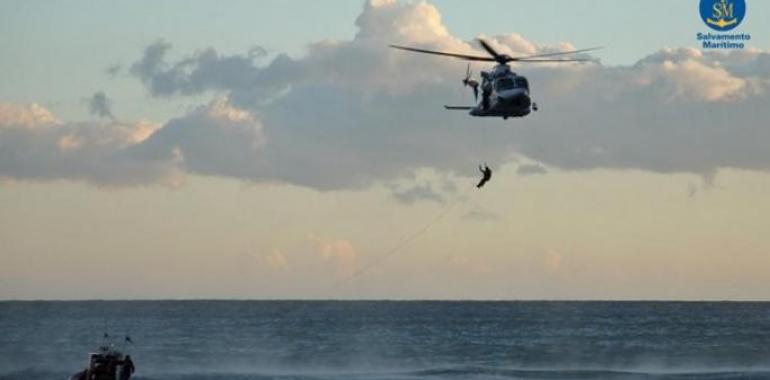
(403,243)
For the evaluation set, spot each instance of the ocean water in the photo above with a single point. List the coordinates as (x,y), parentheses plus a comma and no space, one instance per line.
(375,340)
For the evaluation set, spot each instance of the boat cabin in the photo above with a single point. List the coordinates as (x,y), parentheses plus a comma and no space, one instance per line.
(106,364)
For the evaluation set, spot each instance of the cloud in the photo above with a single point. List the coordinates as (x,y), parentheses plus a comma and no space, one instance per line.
(531,169)
(352,113)
(31,116)
(686,74)
(203,71)
(215,139)
(364,62)
(100,105)
(257,52)
(97,152)
(341,254)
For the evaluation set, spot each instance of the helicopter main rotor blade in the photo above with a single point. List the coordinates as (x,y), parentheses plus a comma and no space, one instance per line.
(553,60)
(522,58)
(492,52)
(461,56)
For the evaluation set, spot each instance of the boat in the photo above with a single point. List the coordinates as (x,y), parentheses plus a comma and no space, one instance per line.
(107,363)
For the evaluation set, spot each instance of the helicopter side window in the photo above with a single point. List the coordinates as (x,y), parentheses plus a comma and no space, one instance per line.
(503,84)
(521,82)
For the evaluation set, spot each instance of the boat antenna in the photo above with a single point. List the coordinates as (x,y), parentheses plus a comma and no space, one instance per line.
(126,341)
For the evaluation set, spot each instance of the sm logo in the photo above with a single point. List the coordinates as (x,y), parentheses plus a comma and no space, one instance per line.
(722,15)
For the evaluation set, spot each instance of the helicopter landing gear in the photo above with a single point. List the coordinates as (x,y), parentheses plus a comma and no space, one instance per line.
(534,107)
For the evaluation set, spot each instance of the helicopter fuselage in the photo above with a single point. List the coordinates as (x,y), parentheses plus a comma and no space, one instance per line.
(503,94)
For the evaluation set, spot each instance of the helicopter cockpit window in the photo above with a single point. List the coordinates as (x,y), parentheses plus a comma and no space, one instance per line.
(503,84)
(521,82)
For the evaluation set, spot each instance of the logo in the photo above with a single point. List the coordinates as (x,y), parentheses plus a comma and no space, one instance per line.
(722,15)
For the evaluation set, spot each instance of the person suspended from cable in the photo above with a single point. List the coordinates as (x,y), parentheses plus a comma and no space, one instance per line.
(487,175)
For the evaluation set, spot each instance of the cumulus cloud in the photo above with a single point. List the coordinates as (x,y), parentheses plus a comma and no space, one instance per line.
(686,113)
(100,105)
(214,139)
(352,113)
(203,71)
(34,145)
(31,116)
(685,74)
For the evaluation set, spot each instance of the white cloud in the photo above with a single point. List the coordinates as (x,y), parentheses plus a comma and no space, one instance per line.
(686,74)
(216,139)
(29,116)
(34,145)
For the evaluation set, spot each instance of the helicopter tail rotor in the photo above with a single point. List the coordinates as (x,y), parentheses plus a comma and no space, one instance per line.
(468,81)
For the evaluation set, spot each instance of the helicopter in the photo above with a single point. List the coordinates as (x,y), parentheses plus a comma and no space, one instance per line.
(503,92)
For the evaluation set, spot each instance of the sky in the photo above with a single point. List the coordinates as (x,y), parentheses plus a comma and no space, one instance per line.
(279,150)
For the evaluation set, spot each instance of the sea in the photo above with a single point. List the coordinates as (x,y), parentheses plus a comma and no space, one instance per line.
(378,340)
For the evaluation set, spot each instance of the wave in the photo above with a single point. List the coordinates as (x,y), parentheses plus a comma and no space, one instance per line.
(579,373)
(450,373)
